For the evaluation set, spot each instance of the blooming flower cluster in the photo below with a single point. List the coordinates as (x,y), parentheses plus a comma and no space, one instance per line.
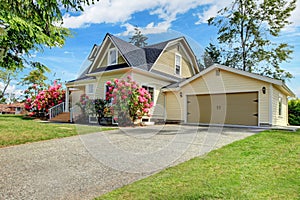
(42,99)
(98,107)
(129,100)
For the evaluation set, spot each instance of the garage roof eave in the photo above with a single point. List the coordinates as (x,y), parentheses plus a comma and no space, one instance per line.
(288,90)
(240,72)
(170,89)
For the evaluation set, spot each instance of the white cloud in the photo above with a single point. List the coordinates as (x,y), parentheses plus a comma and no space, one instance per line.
(211,10)
(120,11)
(216,5)
(208,13)
(150,28)
(12,90)
(295,19)
(107,11)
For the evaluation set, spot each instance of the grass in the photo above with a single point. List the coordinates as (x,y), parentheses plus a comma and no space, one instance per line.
(16,129)
(263,166)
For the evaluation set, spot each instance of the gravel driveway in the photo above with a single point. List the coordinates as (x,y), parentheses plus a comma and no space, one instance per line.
(86,166)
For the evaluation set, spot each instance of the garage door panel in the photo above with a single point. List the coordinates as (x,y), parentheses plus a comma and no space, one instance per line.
(242,109)
(231,108)
(193,113)
(205,108)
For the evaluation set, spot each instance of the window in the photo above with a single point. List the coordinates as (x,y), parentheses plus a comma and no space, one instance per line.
(90,89)
(177,64)
(106,90)
(280,106)
(112,57)
(150,90)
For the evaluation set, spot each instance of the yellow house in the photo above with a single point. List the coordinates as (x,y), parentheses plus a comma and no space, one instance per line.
(181,92)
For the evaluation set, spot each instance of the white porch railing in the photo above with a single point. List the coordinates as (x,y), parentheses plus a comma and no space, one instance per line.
(74,111)
(56,110)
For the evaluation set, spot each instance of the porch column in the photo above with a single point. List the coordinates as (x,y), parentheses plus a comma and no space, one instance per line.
(67,100)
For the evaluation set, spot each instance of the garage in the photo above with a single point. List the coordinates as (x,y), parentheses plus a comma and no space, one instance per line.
(228,108)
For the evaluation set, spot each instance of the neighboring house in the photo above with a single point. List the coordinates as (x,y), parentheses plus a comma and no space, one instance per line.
(13,108)
(181,93)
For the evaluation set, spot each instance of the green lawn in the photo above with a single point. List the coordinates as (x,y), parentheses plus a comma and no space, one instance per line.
(16,129)
(263,166)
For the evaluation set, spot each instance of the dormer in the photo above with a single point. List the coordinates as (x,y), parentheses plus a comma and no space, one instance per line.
(177,59)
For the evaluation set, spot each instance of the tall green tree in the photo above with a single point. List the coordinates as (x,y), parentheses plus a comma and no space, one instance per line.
(211,55)
(138,39)
(32,24)
(247,30)
(6,76)
(37,75)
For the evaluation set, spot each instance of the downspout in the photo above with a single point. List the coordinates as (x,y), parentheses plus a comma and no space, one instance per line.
(165,118)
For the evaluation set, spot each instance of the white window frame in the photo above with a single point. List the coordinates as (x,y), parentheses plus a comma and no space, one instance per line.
(150,86)
(93,119)
(110,103)
(280,105)
(175,64)
(88,88)
(104,96)
(109,57)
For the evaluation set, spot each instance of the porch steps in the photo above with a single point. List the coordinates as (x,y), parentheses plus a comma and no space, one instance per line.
(62,117)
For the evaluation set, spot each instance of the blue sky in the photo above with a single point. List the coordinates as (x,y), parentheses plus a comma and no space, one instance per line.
(159,20)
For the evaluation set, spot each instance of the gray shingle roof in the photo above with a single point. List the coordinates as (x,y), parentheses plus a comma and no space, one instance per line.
(134,55)
(142,58)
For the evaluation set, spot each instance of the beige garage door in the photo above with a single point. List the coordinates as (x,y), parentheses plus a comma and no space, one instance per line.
(230,108)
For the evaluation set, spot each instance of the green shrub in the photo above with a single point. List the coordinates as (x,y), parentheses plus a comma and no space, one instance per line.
(294,112)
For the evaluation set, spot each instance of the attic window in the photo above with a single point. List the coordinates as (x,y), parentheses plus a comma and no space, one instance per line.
(177,64)
(112,57)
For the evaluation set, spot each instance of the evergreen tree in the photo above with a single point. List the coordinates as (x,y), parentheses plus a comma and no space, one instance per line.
(138,39)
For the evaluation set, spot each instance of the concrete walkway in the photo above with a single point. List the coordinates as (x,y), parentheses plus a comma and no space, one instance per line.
(86,166)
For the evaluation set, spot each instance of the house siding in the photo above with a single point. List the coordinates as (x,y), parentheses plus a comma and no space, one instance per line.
(166,62)
(159,109)
(279,120)
(101,82)
(174,108)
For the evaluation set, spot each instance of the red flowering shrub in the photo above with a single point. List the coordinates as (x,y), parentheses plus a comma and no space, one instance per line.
(40,100)
(129,100)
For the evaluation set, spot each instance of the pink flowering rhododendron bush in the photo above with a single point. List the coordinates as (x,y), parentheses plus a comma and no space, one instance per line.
(129,101)
(39,99)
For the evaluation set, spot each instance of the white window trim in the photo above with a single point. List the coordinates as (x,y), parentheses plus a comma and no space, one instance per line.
(152,86)
(280,100)
(108,58)
(104,95)
(88,88)
(153,98)
(177,54)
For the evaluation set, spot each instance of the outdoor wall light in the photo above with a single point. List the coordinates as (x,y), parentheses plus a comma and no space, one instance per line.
(263,90)
(180,94)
